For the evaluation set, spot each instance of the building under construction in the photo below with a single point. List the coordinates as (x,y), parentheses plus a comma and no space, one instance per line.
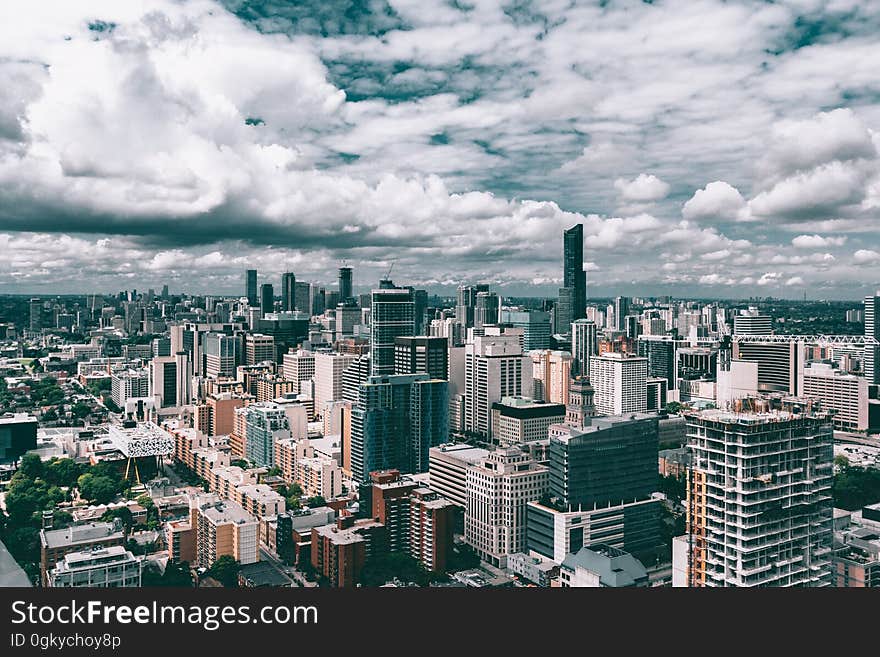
(759,498)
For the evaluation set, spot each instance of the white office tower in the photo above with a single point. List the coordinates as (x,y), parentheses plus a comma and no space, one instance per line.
(735,379)
(584,343)
(495,367)
(328,377)
(749,322)
(872,330)
(498,489)
(620,383)
(298,366)
(759,499)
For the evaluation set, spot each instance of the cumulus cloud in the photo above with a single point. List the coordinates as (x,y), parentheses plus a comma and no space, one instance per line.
(866,257)
(817,241)
(459,139)
(644,188)
(718,201)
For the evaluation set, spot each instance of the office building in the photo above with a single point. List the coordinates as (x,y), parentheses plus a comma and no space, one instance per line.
(251,288)
(329,369)
(574,276)
(103,567)
(222,354)
(751,322)
(345,284)
(422,355)
(298,366)
(392,315)
(498,489)
(563,311)
(621,310)
(844,394)
(267,299)
(584,344)
(466,302)
(448,470)
(396,421)
(535,325)
(620,383)
(55,544)
(872,331)
(487,308)
(661,358)
(759,499)
(127,384)
(517,420)
(18,435)
(258,348)
(780,364)
(288,292)
(495,367)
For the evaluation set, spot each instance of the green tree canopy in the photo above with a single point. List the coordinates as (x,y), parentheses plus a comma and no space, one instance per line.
(225,570)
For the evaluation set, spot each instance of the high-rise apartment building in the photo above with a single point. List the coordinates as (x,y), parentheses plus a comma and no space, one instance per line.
(265,423)
(759,499)
(551,373)
(224,528)
(620,382)
(298,366)
(329,368)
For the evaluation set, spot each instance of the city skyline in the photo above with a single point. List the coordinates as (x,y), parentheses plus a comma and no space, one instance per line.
(137,148)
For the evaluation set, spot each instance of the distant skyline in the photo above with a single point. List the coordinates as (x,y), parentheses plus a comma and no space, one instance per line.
(710,149)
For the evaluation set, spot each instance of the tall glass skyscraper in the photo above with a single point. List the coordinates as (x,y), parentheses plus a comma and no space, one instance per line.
(574,276)
(251,290)
(288,292)
(392,315)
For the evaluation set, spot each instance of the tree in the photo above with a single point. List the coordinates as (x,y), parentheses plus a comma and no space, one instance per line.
(176,574)
(80,410)
(383,567)
(99,489)
(63,472)
(225,570)
(240,463)
(841,462)
(123,513)
(316,501)
(31,466)
(674,407)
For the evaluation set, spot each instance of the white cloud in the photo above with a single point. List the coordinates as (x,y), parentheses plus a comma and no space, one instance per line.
(718,201)
(644,188)
(817,241)
(794,280)
(866,257)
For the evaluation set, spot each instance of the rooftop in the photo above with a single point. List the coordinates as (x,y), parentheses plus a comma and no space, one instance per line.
(81,534)
(224,512)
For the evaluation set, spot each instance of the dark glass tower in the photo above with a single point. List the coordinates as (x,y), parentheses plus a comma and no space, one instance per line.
(344,284)
(574,276)
(252,287)
(267,298)
(288,292)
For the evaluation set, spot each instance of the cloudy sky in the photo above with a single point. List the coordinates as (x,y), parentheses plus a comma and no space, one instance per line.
(709,147)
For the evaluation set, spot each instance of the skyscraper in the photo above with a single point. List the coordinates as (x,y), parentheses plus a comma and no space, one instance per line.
(267,299)
(872,330)
(574,276)
(486,310)
(288,292)
(396,421)
(584,343)
(621,310)
(251,289)
(620,381)
(345,288)
(466,302)
(759,499)
(392,315)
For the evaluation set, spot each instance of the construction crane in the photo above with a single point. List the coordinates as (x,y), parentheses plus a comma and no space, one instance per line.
(390,267)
